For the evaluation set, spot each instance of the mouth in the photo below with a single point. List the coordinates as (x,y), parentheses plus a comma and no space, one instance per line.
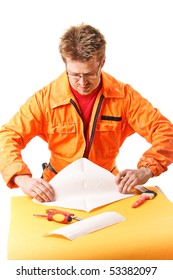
(84,88)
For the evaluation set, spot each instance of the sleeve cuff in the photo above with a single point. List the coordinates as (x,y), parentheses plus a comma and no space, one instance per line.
(17,168)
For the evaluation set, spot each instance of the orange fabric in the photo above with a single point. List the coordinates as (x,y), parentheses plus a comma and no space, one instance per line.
(47,174)
(53,114)
(146,233)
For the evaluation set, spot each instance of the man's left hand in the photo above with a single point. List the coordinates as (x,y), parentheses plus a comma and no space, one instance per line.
(129,178)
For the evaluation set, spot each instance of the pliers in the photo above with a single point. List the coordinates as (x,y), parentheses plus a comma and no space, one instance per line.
(58,216)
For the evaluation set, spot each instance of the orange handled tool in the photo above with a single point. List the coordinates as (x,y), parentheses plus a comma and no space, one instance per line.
(58,216)
(146,195)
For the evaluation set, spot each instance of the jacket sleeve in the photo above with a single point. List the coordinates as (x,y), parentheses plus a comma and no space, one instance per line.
(148,122)
(15,135)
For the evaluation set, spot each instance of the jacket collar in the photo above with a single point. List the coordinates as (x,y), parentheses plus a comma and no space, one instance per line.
(61,92)
(111,87)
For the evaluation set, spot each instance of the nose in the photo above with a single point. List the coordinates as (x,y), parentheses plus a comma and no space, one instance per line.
(82,80)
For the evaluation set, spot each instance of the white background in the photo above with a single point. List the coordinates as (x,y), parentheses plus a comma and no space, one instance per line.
(139,52)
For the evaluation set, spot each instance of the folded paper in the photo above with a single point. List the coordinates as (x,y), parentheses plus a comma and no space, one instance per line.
(83,185)
(88,225)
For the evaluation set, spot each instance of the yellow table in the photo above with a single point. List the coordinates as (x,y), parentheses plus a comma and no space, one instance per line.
(146,234)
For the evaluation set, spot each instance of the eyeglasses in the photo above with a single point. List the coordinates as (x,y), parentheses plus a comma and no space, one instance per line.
(90,76)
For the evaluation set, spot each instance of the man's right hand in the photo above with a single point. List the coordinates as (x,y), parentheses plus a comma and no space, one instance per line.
(36,188)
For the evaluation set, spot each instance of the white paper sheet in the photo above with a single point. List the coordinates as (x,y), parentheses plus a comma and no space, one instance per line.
(84,185)
(88,225)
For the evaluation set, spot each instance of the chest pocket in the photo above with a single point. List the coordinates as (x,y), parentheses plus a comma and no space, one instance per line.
(109,135)
(62,138)
(110,126)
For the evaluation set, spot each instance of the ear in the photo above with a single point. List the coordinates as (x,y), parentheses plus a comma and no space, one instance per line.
(103,62)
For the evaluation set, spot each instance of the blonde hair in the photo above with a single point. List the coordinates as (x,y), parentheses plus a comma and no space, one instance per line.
(82,43)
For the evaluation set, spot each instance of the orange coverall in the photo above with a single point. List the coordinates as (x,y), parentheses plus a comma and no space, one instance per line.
(53,114)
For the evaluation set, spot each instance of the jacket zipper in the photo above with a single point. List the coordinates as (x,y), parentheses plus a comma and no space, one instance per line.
(94,124)
(76,107)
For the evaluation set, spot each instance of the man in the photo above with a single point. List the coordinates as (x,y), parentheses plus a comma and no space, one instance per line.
(84,113)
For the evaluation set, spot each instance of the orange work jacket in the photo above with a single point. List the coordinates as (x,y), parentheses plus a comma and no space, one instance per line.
(53,114)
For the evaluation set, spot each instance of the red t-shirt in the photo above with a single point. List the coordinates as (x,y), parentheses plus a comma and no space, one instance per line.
(86,103)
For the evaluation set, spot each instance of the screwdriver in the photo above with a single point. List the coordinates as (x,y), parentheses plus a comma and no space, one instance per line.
(58,216)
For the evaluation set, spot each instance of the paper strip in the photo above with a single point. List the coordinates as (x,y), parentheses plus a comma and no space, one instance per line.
(88,225)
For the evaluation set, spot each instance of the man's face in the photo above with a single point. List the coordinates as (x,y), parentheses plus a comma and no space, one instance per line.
(84,77)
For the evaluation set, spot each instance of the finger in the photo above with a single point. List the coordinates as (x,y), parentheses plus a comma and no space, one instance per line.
(124,184)
(45,190)
(48,186)
(36,196)
(43,193)
(48,191)
(119,176)
(129,186)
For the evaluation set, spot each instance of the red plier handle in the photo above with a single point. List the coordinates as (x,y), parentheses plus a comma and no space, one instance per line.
(58,216)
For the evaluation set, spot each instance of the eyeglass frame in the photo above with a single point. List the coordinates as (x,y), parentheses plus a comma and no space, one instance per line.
(87,75)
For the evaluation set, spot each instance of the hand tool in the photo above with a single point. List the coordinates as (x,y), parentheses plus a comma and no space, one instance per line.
(58,216)
(146,194)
